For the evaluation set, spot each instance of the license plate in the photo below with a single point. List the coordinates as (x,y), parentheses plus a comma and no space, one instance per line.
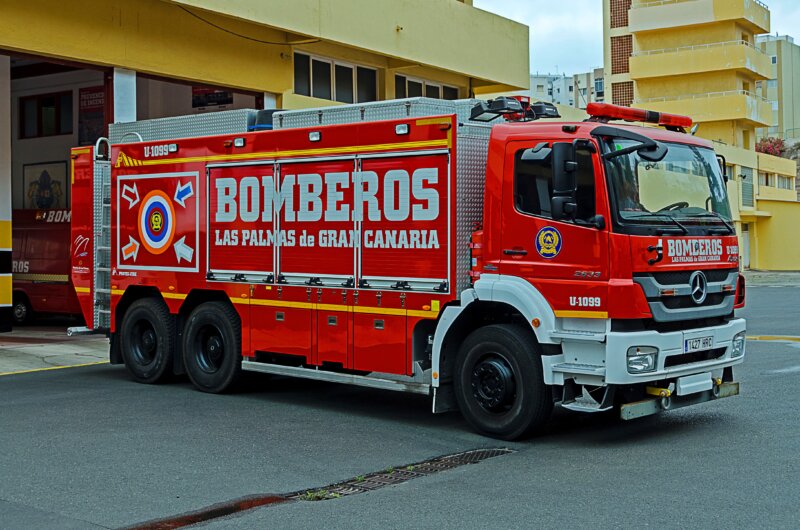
(698,344)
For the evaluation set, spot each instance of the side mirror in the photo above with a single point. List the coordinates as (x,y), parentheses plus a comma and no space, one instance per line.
(723,166)
(563,203)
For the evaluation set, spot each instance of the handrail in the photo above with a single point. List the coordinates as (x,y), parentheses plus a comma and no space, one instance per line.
(705,95)
(698,47)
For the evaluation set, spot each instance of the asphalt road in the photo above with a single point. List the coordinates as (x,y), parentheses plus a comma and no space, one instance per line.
(86,447)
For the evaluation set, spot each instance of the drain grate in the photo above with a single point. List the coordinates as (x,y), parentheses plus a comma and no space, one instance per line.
(392,476)
(360,484)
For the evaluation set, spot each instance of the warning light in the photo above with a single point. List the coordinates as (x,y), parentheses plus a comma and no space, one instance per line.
(604,112)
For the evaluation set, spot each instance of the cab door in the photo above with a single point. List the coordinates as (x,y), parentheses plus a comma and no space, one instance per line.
(566,260)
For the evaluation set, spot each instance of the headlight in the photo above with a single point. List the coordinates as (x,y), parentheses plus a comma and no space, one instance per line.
(642,359)
(737,345)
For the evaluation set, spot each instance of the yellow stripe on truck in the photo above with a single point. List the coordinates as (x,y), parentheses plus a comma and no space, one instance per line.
(5,234)
(6,290)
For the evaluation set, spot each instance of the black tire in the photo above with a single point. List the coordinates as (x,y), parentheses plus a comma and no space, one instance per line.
(499,384)
(21,311)
(212,347)
(147,340)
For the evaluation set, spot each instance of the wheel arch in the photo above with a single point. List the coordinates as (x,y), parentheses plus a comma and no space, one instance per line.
(494,299)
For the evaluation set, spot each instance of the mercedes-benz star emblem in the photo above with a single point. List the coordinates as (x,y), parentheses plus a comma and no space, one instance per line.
(699,287)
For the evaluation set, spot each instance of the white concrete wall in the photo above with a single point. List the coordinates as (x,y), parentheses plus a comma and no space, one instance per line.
(5,139)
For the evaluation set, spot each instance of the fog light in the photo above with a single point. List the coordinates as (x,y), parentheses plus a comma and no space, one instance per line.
(737,345)
(642,359)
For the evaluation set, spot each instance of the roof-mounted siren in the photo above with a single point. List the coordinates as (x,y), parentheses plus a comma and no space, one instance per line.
(515,108)
(605,112)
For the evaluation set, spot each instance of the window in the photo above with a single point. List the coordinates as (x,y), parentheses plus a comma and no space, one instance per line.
(619,13)
(784,183)
(407,87)
(367,82)
(571,88)
(772,83)
(321,79)
(598,86)
(621,51)
(45,115)
(622,93)
(533,183)
(328,79)
(774,105)
(762,178)
(774,59)
(449,92)
(540,88)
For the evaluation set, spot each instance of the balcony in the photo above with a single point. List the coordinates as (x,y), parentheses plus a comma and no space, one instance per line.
(739,56)
(656,15)
(739,105)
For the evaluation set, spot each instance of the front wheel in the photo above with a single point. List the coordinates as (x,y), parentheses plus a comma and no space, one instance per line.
(212,347)
(499,384)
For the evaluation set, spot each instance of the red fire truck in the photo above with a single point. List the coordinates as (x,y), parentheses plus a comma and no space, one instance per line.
(420,246)
(41,264)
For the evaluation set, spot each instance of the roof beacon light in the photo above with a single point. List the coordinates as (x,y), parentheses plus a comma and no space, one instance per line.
(604,112)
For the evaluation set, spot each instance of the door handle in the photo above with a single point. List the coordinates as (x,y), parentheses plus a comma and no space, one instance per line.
(515,252)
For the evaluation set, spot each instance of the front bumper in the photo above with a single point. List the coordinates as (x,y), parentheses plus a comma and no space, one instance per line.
(604,363)
(648,407)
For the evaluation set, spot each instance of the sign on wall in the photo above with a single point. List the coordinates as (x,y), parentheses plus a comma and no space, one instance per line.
(204,98)
(45,185)
(91,114)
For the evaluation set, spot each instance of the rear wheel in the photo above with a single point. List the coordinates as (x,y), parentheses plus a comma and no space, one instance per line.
(147,340)
(212,347)
(21,310)
(499,384)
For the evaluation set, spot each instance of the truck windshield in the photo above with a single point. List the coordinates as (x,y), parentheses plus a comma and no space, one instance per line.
(682,192)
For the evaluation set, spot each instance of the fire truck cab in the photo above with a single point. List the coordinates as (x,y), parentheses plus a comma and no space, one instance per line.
(420,246)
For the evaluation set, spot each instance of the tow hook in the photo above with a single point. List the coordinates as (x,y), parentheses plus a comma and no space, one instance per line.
(665,395)
(716,387)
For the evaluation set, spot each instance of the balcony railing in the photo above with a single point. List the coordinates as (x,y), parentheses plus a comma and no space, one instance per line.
(705,95)
(699,47)
(652,3)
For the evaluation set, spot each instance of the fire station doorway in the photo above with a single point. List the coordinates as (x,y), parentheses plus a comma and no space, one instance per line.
(54,106)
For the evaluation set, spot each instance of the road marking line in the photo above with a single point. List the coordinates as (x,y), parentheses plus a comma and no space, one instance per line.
(52,368)
(776,338)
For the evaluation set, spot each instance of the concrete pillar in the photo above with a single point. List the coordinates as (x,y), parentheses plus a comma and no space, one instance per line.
(270,100)
(5,194)
(124,95)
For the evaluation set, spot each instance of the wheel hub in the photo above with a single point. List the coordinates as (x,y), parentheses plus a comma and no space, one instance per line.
(493,384)
(149,340)
(212,351)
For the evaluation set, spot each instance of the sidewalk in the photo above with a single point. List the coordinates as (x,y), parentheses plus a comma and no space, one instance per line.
(772,278)
(34,348)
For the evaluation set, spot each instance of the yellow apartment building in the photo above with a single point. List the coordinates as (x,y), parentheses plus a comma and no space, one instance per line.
(68,69)
(782,89)
(700,58)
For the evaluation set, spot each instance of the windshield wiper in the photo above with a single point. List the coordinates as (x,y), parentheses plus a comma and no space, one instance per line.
(645,215)
(716,216)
